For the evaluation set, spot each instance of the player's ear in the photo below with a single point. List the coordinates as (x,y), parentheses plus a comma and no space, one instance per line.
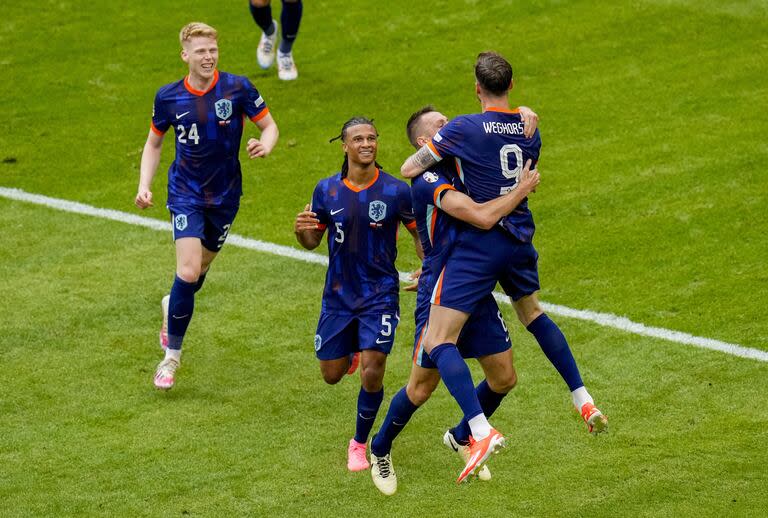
(184,55)
(511,84)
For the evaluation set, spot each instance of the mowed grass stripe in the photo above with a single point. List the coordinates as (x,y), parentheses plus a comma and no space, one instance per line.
(602,319)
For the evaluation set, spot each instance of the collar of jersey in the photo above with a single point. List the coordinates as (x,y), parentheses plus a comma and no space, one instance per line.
(502,110)
(201,92)
(358,189)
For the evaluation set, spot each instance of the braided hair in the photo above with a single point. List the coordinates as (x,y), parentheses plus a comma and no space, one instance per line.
(354,121)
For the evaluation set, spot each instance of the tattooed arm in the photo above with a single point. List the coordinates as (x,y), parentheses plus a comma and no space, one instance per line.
(418,162)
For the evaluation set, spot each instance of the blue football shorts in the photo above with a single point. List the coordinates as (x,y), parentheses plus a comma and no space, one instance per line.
(484,333)
(210,225)
(478,261)
(341,335)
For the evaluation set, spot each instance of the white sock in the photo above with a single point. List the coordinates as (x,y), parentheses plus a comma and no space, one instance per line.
(480,427)
(580,397)
(173,353)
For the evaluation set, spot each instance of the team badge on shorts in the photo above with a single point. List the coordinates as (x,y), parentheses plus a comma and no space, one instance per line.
(223,108)
(377,210)
(318,342)
(180,221)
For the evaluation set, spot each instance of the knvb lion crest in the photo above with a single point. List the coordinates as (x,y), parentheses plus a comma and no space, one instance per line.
(377,210)
(223,109)
(181,222)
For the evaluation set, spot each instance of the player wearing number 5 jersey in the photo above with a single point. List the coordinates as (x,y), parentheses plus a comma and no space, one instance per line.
(207,111)
(362,208)
(489,150)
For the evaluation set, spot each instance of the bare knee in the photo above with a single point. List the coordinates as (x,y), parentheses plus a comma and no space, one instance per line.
(260,3)
(188,272)
(528,309)
(372,377)
(419,393)
(503,383)
(332,373)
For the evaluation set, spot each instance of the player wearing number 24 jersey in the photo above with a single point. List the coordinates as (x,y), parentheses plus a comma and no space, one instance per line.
(207,110)
(362,208)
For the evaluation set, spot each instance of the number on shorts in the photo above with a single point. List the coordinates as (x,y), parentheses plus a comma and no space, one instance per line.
(386,325)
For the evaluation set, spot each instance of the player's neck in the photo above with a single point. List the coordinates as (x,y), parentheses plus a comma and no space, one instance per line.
(359,175)
(501,103)
(200,83)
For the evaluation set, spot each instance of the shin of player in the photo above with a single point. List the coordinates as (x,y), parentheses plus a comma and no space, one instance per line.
(206,110)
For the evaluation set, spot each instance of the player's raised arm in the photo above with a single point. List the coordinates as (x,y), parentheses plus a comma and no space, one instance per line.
(486,215)
(262,146)
(418,162)
(307,229)
(150,159)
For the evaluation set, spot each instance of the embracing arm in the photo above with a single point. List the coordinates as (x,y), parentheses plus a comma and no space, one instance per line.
(418,162)
(486,215)
(150,159)
(263,146)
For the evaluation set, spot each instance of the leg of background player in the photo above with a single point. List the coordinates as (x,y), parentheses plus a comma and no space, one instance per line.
(261,10)
(290,19)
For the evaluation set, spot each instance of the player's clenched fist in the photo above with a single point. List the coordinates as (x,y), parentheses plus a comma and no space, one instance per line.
(144,199)
(256,148)
(306,220)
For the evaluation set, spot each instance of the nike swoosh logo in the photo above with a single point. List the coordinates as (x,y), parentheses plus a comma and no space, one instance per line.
(180,116)
(182,316)
(366,418)
(382,341)
(334,212)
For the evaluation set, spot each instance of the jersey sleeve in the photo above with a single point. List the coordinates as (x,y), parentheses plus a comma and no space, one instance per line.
(255,106)
(405,206)
(318,206)
(449,140)
(431,186)
(161,120)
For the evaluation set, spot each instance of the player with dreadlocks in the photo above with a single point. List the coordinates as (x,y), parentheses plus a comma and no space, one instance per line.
(362,208)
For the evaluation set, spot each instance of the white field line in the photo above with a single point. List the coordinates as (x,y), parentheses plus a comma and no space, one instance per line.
(603,319)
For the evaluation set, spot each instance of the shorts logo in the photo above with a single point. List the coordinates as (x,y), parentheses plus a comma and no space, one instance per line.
(377,210)
(223,108)
(180,221)
(318,342)
(430,177)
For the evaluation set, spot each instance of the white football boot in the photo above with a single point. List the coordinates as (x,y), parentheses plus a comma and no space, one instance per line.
(286,68)
(383,474)
(265,52)
(450,441)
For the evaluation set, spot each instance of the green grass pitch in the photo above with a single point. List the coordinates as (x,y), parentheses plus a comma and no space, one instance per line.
(652,206)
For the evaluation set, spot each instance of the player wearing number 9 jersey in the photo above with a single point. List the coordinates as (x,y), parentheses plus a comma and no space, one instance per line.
(207,111)
(489,150)
(362,208)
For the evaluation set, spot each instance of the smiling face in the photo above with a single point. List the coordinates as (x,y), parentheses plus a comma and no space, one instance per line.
(201,53)
(360,144)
